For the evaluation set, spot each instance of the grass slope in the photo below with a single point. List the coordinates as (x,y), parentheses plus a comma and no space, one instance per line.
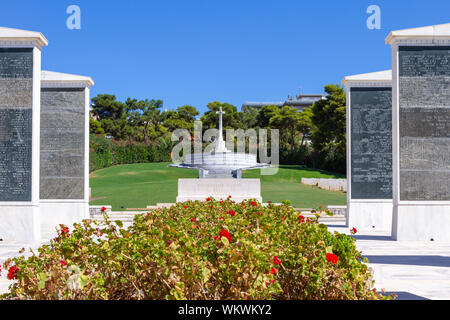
(140,185)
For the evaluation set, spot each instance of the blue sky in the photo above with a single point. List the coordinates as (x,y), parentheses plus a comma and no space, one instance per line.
(198,51)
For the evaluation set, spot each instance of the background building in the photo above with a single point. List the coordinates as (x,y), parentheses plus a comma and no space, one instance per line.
(299,102)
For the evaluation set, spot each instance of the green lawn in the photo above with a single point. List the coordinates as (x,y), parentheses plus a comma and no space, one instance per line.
(140,185)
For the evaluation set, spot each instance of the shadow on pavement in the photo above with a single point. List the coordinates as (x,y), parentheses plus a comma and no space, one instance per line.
(375,238)
(333,225)
(433,261)
(405,296)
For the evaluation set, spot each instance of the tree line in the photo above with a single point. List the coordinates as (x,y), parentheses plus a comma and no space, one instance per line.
(315,137)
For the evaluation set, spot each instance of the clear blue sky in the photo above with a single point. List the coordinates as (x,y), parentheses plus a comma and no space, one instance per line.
(198,51)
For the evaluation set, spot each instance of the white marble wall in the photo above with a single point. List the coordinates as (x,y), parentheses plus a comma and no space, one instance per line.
(327,184)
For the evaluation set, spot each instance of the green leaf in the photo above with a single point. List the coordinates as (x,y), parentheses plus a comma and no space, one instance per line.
(323,226)
(329,249)
(83,281)
(225,241)
(119,223)
(206,273)
(42,279)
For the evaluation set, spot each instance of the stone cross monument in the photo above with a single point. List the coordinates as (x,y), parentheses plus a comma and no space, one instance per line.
(220,143)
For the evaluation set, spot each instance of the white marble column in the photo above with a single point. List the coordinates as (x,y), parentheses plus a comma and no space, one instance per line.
(369,204)
(421,133)
(64,196)
(19,126)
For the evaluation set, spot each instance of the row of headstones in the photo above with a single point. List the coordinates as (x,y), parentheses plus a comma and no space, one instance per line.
(398,134)
(44,142)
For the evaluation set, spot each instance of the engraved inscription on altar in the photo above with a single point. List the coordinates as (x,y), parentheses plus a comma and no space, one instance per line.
(371,143)
(424,99)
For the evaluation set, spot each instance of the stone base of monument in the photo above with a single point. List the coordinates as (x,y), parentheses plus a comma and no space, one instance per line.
(20,224)
(421,223)
(63,212)
(370,215)
(219,189)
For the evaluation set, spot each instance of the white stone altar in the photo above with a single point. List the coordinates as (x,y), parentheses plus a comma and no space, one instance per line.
(219,189)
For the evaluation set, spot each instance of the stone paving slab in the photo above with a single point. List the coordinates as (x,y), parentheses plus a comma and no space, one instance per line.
(412,270)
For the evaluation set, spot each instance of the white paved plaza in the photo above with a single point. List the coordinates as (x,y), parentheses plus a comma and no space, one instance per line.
(412,270)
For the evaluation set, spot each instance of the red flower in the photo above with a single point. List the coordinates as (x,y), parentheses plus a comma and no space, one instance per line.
(273,271)
(301,219)
(192,219)
(269,202)
(269,283)
(223,233)
(63,263)
(103,209)
(12,273)
(332,258)
(253,204)
(208,199)
(276,260)
(185,207)
(231,213)
(222,218)
(229,197)
(65,231)
(221,201)
(353,231)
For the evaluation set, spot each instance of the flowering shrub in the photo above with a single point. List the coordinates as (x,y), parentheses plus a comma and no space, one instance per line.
(187,252)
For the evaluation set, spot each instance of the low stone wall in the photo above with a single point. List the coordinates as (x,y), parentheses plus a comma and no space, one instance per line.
(338,210)
(327,184)
(93,210)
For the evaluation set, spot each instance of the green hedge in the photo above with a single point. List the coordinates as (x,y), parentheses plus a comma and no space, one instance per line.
(105,153)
